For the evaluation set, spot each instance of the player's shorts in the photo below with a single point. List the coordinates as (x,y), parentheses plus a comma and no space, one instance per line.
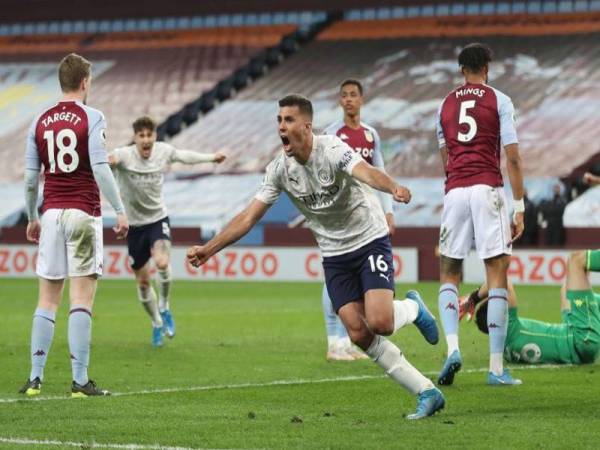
(350,275)
(140,240)
(475,215)
(584,320)
(70,244)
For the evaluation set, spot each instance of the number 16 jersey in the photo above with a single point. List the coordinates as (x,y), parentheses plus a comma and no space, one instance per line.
(68,139)
(474,121)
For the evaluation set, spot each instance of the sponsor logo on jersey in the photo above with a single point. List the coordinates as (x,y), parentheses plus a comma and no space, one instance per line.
(346,159)
(322,199)
(344,137)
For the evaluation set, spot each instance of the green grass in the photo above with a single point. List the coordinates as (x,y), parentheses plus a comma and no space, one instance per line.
(252,333)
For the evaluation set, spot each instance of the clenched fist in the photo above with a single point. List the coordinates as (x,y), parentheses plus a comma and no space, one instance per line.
(197,255)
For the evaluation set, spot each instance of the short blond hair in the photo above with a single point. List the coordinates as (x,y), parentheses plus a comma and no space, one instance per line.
(72,70)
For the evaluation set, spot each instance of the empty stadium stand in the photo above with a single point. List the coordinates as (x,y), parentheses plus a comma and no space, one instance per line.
(552,78)
(134,74)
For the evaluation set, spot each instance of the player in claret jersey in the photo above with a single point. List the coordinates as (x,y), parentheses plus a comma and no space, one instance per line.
(68,140)
(475,121)
(364,140)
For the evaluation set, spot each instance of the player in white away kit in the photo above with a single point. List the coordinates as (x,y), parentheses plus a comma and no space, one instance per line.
(364,140)
(68,140)
(326,180)
(474,122)
(140,172)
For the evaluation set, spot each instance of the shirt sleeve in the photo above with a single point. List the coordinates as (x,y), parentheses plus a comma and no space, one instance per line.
(32,157)
(508,131)
(97,138)
(191,157)
(343,157)
(385,199)
(438,128)
(269,190)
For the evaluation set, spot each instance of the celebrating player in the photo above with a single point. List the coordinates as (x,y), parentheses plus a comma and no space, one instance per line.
(574,341)
(326,180)
(474,122)
(140,172)
(365,141)
(68,139)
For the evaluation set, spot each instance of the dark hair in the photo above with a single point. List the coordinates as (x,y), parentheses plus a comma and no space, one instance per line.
(144,123)
(353,82)
(474,57)
(72,70)
(481,317)
(303,104)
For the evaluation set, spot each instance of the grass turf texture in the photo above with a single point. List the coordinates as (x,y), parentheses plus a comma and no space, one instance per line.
(238,333)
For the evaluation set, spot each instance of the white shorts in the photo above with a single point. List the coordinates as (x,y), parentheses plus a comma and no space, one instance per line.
(475,215)
(70,244)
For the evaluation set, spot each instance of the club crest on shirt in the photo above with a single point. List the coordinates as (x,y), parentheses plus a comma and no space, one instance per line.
(369,136)
(324,176)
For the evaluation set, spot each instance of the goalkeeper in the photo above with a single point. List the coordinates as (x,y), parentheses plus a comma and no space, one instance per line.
(574,341)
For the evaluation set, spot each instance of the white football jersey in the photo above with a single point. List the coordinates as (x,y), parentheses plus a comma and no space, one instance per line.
(141,182)
(343,213)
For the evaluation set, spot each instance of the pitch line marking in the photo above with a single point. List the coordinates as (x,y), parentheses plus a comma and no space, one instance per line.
(300,381)
(92,445)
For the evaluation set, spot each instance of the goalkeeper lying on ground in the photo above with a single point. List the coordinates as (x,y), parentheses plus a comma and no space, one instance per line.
(574,341)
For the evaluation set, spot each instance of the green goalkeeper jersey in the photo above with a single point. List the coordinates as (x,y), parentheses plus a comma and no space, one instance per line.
(574,341)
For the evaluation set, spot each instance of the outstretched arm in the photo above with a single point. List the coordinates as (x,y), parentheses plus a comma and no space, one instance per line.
(381,181)
(192,157)
(234,230)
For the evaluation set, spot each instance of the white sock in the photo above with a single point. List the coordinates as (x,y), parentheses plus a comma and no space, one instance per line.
(164,287)
(405,312)
(147,298)
(452,341)
(332,343)
(389,357)
(496,363)
(344,344)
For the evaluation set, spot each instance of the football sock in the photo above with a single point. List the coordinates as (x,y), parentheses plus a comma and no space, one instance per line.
(331,320)
(164,286)
(405,311)
(42,332)
(497,320)
(448,307)
(344,343)
(593,260)
(80,336)
(389,357)
(147,297)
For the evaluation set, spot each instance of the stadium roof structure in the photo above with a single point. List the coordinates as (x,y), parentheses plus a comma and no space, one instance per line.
(35,10)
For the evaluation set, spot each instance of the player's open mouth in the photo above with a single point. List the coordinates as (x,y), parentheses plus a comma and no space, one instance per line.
(286,142)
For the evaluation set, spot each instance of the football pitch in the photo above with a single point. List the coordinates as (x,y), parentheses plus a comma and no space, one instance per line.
(247,370)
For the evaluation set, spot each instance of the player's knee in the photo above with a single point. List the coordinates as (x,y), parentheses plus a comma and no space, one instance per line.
(578,259)
(381,324)
(162,262)
(143,284)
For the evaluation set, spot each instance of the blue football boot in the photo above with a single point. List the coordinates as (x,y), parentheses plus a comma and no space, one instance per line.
(425,321)
(168,323)
(503,380)
(430,401)
(451,366)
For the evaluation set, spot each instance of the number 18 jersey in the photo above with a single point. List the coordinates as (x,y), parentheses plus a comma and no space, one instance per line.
(68,139)
(474,122)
